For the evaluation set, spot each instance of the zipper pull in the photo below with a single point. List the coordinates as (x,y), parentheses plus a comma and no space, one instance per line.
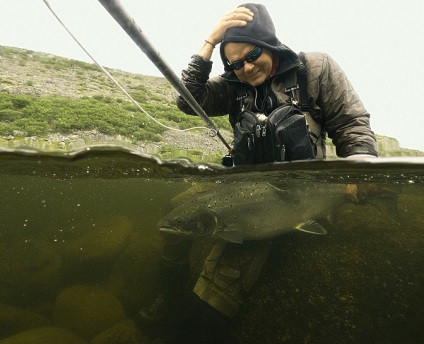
(251,142)
(283,152)
(258,130)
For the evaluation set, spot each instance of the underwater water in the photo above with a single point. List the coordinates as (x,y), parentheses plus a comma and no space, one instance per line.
(80,249)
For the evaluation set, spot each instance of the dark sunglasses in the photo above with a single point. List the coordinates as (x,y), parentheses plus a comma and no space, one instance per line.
(252,56)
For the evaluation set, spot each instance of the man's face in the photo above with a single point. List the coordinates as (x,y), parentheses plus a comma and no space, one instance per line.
(253,73)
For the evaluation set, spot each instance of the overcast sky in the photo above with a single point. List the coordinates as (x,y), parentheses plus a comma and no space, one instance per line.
(378,43)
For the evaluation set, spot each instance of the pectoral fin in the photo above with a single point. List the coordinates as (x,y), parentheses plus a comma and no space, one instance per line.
(312,227)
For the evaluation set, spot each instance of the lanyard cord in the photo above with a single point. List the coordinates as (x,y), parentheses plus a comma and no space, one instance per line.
(113,79)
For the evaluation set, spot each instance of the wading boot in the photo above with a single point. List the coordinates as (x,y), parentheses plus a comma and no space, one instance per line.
(172,287)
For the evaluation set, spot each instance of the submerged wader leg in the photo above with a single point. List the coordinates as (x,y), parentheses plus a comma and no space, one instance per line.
(175,263)
(230,272)
(174,272)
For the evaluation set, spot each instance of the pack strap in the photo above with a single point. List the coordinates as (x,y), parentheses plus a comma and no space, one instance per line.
(302,76)
(303,83)
(241,93)
(290,83)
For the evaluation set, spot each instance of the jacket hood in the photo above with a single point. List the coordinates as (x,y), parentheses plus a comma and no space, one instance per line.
(259,32)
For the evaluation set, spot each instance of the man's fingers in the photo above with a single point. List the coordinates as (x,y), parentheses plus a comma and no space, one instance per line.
(352,192)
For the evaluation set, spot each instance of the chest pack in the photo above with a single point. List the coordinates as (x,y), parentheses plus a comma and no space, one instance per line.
(283,135)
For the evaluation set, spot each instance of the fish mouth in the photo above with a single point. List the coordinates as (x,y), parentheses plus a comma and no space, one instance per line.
(174,231)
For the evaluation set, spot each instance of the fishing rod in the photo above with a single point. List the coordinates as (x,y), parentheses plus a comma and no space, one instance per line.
(133,30)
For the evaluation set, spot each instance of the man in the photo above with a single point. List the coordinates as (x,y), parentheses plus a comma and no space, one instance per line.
(257,68)
(258,80)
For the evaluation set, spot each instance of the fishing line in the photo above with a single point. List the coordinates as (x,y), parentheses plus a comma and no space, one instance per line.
(113,79)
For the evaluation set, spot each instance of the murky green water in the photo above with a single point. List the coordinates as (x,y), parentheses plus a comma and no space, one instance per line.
(80,250)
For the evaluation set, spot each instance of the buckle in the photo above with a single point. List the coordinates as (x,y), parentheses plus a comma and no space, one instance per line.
(290,91)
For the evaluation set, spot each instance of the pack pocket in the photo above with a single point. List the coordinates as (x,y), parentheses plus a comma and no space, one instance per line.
(292,139)
(283,136)
(247,133)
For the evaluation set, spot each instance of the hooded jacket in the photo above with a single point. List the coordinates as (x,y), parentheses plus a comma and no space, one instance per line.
(336,106)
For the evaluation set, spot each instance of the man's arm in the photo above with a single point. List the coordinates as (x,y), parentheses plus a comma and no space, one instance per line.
(344,116)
